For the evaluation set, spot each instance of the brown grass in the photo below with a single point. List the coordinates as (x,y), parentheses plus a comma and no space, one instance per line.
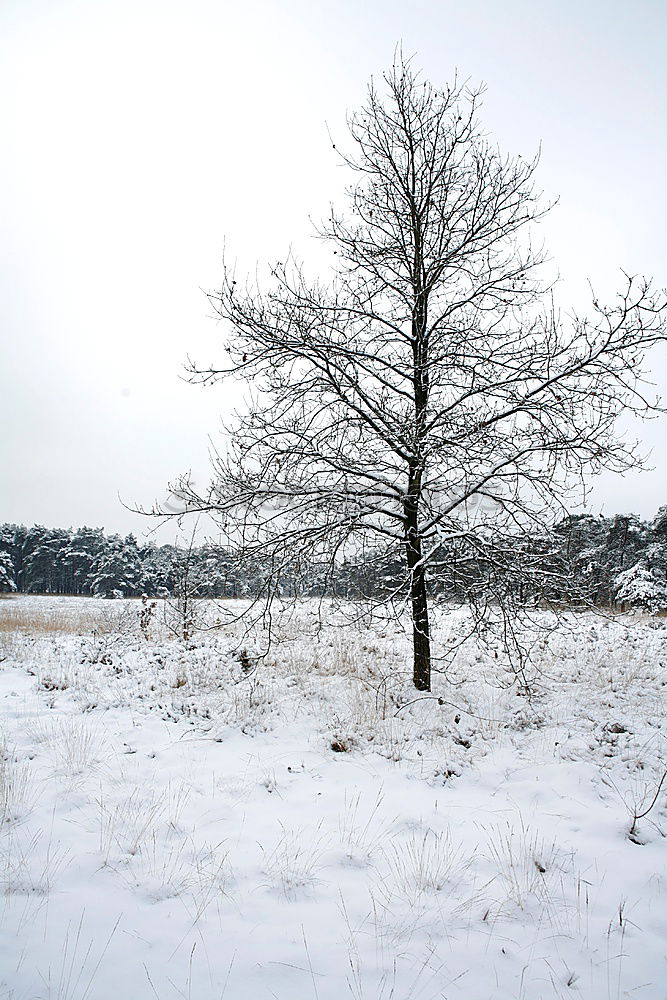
(42,616)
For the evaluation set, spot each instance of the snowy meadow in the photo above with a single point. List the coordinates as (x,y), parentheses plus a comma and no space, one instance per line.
(181,818)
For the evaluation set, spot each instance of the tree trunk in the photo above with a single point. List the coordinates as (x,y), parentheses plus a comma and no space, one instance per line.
(421,634)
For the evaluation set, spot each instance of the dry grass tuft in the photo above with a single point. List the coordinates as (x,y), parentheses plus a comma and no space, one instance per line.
(61,616)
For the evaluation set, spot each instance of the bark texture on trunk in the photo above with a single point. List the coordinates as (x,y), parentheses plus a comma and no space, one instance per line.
(421,634)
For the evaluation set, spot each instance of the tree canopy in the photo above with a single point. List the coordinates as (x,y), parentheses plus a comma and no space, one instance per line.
(425,398)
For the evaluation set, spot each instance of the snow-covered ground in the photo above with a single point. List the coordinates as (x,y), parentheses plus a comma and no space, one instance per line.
(177,824)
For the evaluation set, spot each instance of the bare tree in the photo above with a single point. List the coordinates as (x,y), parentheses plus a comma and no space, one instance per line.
(427,399)
(183,611)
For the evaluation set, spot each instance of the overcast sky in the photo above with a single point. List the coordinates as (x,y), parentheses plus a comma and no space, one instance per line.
(140,136)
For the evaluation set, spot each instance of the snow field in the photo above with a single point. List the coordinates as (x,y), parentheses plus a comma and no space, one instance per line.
(175,825)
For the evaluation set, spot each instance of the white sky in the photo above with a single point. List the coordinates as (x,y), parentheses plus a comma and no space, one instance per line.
(141,135)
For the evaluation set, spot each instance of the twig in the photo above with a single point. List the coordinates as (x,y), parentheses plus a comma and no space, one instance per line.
(443,701)
(647,810)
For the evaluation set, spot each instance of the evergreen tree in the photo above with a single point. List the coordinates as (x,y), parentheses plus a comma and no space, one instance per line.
(84,548)
(158,572)
(117,572)
(45,565)
(7,582)
(644,584)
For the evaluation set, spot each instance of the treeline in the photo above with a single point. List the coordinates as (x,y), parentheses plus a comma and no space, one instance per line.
(41,560)
(620,561)
(617,561)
